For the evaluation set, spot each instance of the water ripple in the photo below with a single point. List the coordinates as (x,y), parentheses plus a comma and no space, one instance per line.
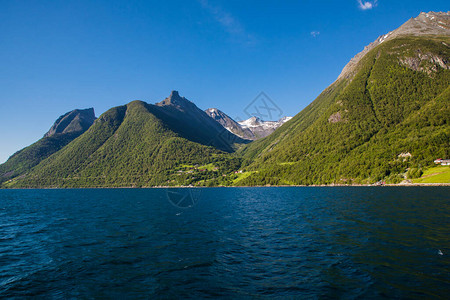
(234,243)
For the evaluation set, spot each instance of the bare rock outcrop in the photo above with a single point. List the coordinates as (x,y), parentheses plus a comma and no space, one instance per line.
(431,23)
(78,120)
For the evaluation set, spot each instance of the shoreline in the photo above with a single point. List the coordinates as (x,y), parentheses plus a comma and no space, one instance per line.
(242,186)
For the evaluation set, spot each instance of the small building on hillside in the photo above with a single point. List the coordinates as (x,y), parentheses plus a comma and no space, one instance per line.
(445,162)
(442,162)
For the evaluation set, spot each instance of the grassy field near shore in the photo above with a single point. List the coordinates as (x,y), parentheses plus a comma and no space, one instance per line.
(439,174)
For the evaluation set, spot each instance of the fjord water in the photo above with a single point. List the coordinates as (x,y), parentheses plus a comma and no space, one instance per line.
(316,242)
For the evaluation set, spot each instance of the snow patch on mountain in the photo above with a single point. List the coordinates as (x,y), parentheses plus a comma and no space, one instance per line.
(261,128)
(253,128)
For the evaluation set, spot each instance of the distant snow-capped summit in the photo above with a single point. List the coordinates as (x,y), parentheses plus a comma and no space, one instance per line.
(229,124)
(252,129)
(261,128)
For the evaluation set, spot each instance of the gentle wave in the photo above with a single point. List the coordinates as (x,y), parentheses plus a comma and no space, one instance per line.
(355,242)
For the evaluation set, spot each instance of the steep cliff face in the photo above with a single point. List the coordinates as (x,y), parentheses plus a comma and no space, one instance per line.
(78,120)
(425,62)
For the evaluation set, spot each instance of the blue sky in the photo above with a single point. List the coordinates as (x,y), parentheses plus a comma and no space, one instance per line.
(56,56)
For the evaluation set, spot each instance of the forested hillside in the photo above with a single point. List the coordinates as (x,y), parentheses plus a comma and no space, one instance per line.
(130,146)
(392,115)
(65,129)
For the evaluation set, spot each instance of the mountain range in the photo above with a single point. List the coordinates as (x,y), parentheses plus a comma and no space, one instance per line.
(252,129)
(386,116)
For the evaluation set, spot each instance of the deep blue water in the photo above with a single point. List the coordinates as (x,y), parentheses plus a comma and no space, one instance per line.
(340,242)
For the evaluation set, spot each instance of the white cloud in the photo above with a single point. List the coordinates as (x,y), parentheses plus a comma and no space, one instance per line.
(315,33)
(364,5)
(228,22)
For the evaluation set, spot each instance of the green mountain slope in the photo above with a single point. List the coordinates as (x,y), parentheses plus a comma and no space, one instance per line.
(65,129)
(137,145)
(393,113)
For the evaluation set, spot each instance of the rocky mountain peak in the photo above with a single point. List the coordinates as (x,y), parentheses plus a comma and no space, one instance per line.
(253,121)
(438,19)
(259,128)
(229,124)
(213,112)
(251,129)
(431,23)
(77,120)
(176,100)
